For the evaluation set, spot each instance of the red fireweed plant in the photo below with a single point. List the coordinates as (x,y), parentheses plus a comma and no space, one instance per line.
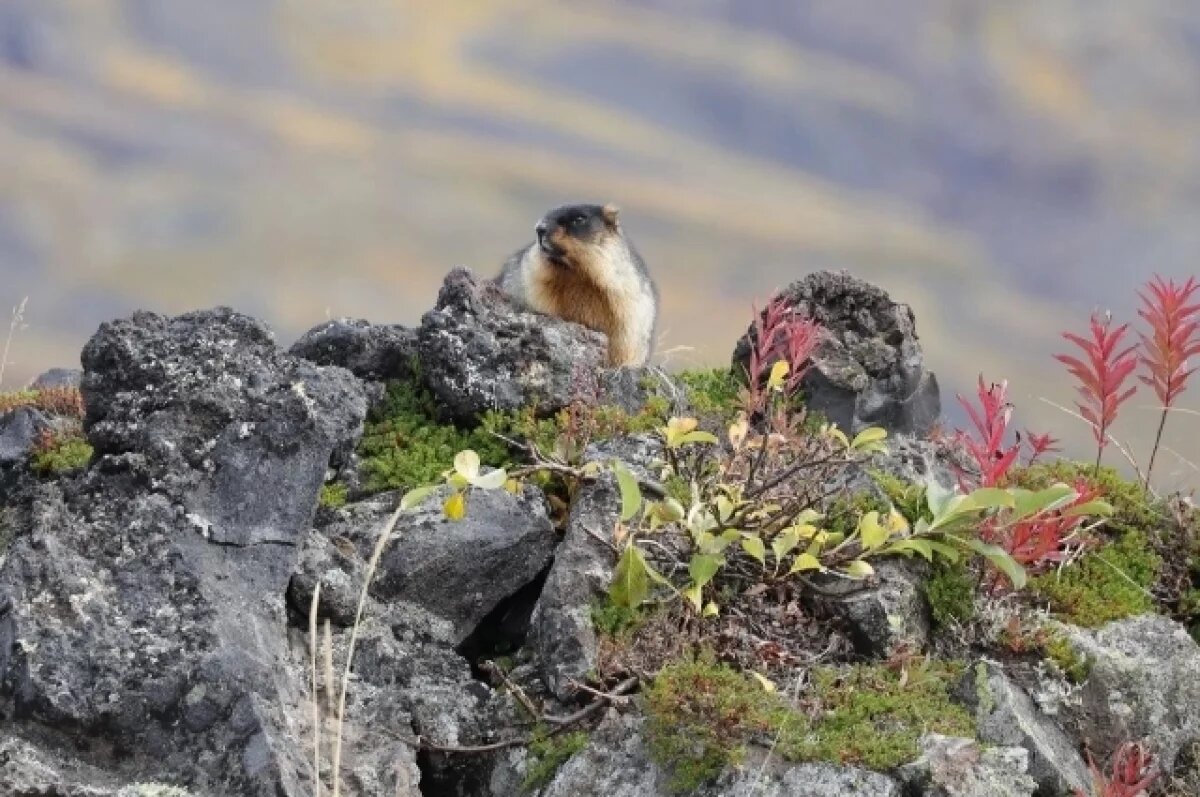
(1131,773)
(1101,375)
(986,445)
(779,334)
(1174,338)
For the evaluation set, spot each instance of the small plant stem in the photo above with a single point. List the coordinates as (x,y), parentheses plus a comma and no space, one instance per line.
(384,534)
(1162,422)
(17,314)
(316,705)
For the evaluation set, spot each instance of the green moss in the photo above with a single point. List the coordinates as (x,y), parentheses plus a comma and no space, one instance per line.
(1131,511)
(333,496)
(869,716)
(1107,584)
(950,593)
(405,445)
(1059,650)
(907,498)
(844,512)
(61,453)
(983,689)
(700,717)
(547,753)
(712,393)
(610,619)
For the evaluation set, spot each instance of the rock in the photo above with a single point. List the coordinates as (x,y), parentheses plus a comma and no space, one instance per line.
(147,596)
(886,618)
(953,767)
(1143,682)
(1006,716)
(458,570)
(57,378)
(374,352)
(615,763)
(869,369)
(563,633)
(479,351)
(19,430)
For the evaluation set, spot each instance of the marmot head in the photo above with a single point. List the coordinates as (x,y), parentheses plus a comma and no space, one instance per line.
(564,235)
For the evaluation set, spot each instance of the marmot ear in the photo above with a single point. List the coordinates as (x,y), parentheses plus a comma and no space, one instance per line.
(611,213)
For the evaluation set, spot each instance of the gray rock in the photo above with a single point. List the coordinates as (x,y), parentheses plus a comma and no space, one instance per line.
(57,377)
(376,352)
(147,595)
(19,430)
(563,633)
(953,767)
(479,351)
(1143,682)
(868,369)
(1007,716)
(616,764)
(884,618)
(458,570)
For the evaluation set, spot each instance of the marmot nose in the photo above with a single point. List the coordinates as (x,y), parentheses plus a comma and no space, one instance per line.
(540,229)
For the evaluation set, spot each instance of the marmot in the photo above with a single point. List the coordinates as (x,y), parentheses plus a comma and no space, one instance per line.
(582,268)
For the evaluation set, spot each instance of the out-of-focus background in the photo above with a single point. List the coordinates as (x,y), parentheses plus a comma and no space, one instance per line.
(1005,168)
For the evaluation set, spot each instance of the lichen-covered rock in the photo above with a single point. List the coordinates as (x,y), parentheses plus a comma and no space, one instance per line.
(479,351)
(1006,716)
(563,632)
(146,596)
(19,430)
(375,352)
(616,763)
(883,618)
(868,369)
(954,767)
(459,570)
(1143,682)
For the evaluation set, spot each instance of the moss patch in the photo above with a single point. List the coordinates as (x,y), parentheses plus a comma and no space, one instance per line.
(547,753)
(65,402)
(1131,511)
(1059,650)
(950,593)
(702,715)
(333,496)
(1106,584)
(61,453)
(712,393)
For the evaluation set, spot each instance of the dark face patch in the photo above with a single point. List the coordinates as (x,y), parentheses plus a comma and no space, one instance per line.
(563,229)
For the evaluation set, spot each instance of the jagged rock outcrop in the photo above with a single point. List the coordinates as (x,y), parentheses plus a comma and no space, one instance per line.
(19,429)
(372,352)
(868,369)
(146,597)
(952,767)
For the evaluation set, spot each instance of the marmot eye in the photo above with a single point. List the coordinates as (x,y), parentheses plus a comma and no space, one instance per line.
(578,220)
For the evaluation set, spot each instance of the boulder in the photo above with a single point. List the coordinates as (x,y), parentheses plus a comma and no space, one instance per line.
(480,351)
(372,352)
(146,597)
(953,767)
(1006,716)
(886,617)
(868,369)
(19,430)
(57,378)
(1143,683)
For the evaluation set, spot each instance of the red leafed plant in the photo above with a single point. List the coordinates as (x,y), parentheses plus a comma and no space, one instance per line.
(986,443)
(1131,773)
(1174,338)
(1101,375)
(779,334)
(1045,538)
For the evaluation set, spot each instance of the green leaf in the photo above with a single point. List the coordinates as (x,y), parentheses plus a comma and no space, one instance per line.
(949,552)
(923,547)
(804,561)
(703,567)
(631,581)
(694,595)
(455,507)
(466,464)
(710,609)
(837,434)
(415,497)
(766,683)
(784,542)
(991,498)
(697,437)
(872,532)
(631,494)
(859,569)
(1098,508)
(1027,504)
(1001,559)
(870,440)
(753,545)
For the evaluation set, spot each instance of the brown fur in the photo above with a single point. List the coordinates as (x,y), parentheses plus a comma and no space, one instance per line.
(572,293)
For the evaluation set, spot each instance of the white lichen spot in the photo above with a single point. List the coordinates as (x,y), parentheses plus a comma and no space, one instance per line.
(200,524)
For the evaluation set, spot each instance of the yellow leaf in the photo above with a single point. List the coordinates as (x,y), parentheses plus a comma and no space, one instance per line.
(455,507)
(779,373)
(466,464)
(766,683)
(711,610)
(873,534)
(738,431)
(859,569)
(513,486)
(804,561)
